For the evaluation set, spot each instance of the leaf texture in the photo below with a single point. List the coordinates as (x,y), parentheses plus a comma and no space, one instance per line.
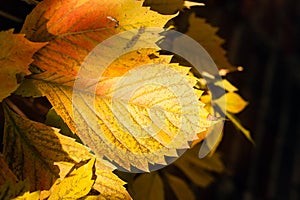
(76,185)
(15,57)
(125,130)
(113,114)
(5,173)
(10,189)
(31,148)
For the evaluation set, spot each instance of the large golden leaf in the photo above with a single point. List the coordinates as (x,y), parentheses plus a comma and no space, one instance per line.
(119,128)
(15,56)
(131,131)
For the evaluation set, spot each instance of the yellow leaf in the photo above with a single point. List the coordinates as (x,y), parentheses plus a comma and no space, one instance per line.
(131,146)
(180,188)
(108,184)
(76,185)
(234,102)
(148,187)
(29,196)
(129,132)
(226,85)
(35,146)
(237,123)
(15,56)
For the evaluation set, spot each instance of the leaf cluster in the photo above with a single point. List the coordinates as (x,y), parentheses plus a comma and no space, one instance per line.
(48,160)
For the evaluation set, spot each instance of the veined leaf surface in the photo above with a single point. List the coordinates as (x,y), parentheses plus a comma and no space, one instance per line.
(142,108)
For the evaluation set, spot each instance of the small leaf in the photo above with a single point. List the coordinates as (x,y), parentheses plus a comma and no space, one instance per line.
(234,102)
(227,85)
(15,56)
(180,188)
(238,124)
(10,189)
(76,185)
(148,187)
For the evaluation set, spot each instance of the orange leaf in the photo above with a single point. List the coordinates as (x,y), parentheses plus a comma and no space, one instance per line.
(15,56)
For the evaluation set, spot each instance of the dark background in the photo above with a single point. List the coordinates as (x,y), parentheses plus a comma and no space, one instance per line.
(263,37)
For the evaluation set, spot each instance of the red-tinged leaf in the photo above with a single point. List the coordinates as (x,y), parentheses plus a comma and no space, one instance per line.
(15,56)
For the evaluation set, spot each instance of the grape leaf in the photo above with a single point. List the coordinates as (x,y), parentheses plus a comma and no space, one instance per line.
(119,129)
(15,56)
(60,95)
